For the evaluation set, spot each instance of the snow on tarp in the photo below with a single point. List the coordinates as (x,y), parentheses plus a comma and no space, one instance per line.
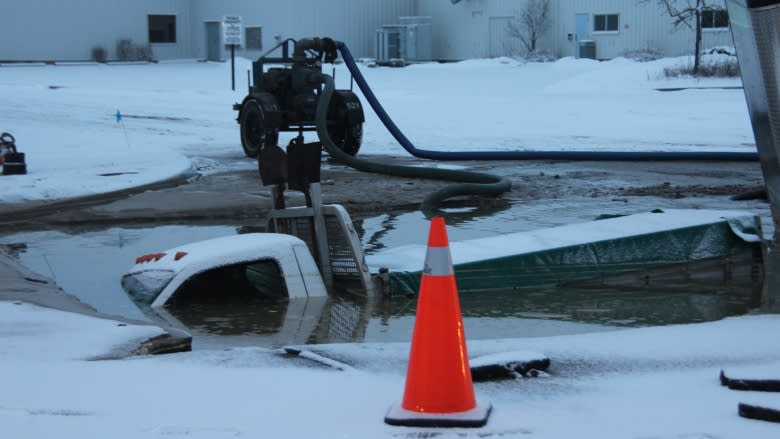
(582,251)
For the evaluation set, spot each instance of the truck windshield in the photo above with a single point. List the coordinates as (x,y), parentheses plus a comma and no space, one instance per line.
(233,283)
(143,287)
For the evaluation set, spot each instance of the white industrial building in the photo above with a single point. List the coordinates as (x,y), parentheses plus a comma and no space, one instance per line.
(41,30)
(55,30)
(478,28)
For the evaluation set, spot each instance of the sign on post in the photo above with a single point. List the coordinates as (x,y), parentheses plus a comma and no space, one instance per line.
(233,30)
(233,35)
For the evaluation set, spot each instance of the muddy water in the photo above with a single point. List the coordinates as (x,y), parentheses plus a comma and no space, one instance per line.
(88,264)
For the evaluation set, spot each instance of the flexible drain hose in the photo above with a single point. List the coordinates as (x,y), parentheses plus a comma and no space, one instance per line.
(470,183)
(524,155)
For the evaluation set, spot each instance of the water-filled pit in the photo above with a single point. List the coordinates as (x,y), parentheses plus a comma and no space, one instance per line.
(89,264)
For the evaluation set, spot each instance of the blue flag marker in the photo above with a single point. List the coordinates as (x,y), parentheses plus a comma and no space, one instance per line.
(118,120)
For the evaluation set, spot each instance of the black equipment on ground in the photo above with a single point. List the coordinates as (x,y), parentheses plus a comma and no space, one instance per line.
(753,411)
(284,98)
(11,160)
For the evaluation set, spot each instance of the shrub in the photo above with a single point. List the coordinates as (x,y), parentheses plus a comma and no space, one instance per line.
(643,55)
(126,50)
(541,56)
(99,54)
(716,68)
(720,50)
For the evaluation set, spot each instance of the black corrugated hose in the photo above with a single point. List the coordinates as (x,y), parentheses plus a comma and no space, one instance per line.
(469,183)
(527,155)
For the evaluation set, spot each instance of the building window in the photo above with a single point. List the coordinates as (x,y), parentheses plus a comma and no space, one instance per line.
(162,28)
(254,37)
(714,19)
(605,23)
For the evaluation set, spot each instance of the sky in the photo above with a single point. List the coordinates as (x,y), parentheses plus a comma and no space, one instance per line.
(177,117)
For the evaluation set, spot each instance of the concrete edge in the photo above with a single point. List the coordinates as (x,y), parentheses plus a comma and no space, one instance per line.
(34,208)
(19,284)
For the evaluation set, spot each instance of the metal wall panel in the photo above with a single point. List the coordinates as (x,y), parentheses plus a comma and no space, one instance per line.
(352,21)
(60,30)
(641,26)
(39,30)
(463,30)
(57,30)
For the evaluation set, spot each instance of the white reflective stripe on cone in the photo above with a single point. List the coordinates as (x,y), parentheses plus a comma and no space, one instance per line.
(438,262)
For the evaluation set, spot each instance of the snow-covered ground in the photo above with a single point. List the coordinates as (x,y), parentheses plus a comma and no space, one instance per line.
(637,383)
(178,115)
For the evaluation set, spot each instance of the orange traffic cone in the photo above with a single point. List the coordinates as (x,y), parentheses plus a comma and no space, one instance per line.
(439,391)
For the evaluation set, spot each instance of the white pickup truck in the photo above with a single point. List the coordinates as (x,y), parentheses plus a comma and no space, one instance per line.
(273,265)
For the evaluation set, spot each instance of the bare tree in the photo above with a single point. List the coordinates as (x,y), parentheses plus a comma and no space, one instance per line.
(687,13)
(530,23)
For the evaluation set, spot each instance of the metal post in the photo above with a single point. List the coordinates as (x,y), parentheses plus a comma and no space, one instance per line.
(233,67)
(321,236)
(755,36)
(277,194)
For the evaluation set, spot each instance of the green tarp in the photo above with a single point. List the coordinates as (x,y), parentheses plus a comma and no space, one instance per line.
(710,238)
